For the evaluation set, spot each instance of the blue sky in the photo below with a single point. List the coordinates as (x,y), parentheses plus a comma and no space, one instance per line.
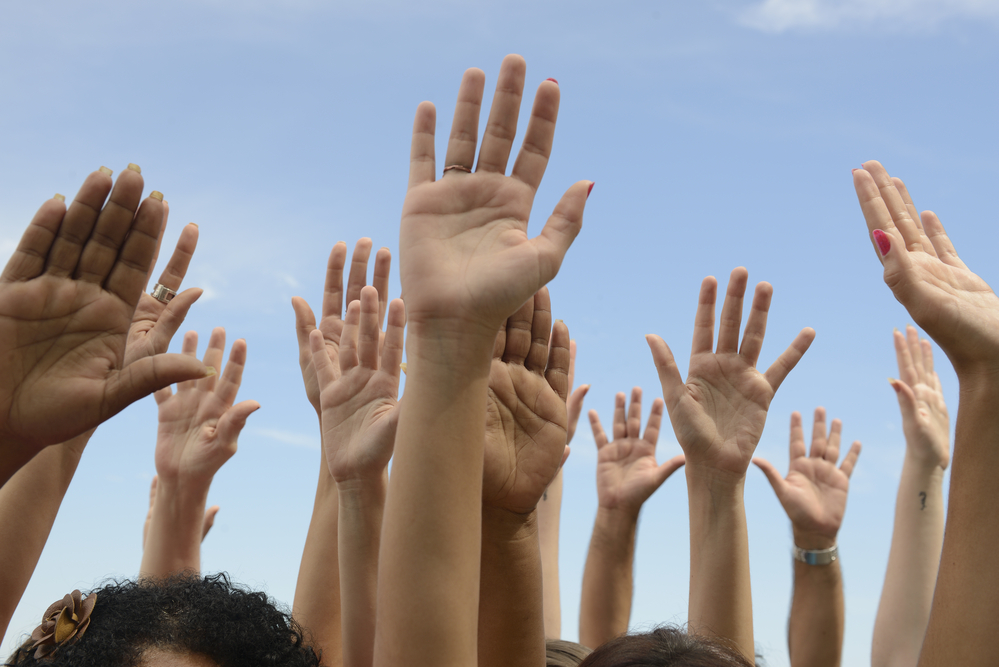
(719,133)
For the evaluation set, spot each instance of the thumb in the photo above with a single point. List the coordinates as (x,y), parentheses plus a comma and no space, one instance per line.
(776,479)
(906,400)
(669,375)
(209,521)
(574,407)
(561,230)
(233,421)
(668,468)
(143,377)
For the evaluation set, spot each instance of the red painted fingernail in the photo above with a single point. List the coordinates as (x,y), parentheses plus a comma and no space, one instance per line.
(854,171)
(555,81)
(884,244)
(590,189)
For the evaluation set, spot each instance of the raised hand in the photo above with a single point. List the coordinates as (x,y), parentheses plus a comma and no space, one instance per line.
(465,256)
(920,398)
(814,492)
(922,268)
(627,472)
(67,298)
(525,409)
(331,325)
(199,425)
(574,404)
(719,414)
(360,399)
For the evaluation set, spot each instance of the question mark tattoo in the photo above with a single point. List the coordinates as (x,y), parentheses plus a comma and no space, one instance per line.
(922,497)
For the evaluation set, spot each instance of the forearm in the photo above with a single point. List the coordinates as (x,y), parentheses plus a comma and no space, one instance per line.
(361,507)
(965,603)
(605,605)
(511,614)
(29,503)
(430,554)
(549,515)
(175,530)
(913,562)
(317,593)
(720,601)
(815,629)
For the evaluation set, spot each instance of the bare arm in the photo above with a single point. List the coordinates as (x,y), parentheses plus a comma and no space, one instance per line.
(627,475)
(917,538)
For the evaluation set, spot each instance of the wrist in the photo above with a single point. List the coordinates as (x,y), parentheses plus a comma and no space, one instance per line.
(502,525)
(924,467)
(449,343)
(361,494)
(812,540)
(181,495)
(617,516)
(724,482)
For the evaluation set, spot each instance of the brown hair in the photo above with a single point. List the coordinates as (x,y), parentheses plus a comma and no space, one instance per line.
(565,654)
(666,646)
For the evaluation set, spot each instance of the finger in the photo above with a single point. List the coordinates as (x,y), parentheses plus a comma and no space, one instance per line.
(927,348)
(532,160)
(756,325)
(176,269)
(832,448)
(541,331)
(358,269)
(143,377)
(209,521)
(519,334)
(102,247)
(465,125)
(369,333)
(906,367)
(655,421)
(880,224)
(941,242)
(128,275)
(162,394)
(572,363)
(78,223)
(704,318)
(333,289)
(912,235)
(915,351)
(152,492)
(775,478)
(321,360)
(669,375)
(189,347)
(633,427)
(668,468)
(850,460)
(574,408)
(159,244)
(906,400)
(557,370)
(422,165)
(28,260)
(730,321)
(232,377)
(380,279)
(213,357)
(620,427)
(499,345)
(913,214)
(171,318)
(501,128)
(797,446)
(819,433)
(561,229)
(599,436)
(232,422)
(393,346)
(305,324)
(348,339)
(789,358)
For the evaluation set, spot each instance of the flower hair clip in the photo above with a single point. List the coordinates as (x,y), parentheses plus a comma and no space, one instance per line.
(63,624)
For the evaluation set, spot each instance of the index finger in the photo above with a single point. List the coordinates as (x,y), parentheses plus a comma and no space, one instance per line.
(180,260)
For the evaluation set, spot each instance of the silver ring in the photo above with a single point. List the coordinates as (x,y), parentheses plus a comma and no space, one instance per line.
(162,293)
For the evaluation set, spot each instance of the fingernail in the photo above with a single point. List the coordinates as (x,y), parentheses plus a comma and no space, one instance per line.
(106,171)
(552,80)
(854,171)
(156,194)
(59,197)
(884,244)
(209,371)
(590,189)
(403,366)
(891,381)
(194,223)
(134,167)
(557,321)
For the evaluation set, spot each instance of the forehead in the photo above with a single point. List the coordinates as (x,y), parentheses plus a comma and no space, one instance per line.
(156,657)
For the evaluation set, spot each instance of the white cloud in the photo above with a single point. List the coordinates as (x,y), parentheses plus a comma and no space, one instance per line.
(783,15)
(288,437)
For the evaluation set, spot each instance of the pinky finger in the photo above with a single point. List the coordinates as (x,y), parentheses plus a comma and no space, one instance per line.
(850,460)
(941,242)
(392,347)
(598,430)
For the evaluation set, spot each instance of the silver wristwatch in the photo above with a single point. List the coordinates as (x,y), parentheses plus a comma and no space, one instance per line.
(816,556)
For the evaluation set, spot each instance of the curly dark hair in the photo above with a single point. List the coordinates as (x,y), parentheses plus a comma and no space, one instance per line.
(208,616)
(666,646)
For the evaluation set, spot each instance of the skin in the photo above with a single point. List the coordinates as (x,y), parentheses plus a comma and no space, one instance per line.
(466,265)
(814,496)
(960,312)
(198,430)
(317,604)
(718,417)
(627,476)
(67,300)
(914,559)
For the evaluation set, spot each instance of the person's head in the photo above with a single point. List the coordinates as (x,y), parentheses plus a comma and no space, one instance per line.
(666,646)
(561,653)
(203,621)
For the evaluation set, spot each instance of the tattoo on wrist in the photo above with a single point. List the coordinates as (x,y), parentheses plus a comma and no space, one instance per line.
(922,497)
